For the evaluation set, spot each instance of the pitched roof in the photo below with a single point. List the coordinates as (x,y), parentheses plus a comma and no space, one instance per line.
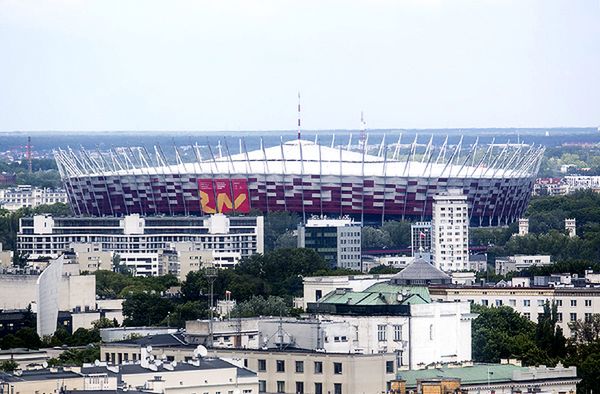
(420,270)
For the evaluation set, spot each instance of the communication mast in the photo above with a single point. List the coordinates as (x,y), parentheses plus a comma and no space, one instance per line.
(299,123)
(28,155)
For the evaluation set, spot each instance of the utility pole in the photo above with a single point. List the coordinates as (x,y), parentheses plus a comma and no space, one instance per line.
(210,272)
(28,154)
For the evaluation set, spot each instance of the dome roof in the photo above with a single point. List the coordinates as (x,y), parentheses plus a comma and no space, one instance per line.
(421,272)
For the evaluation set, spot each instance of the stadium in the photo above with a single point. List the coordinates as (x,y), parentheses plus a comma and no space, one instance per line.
(305,177)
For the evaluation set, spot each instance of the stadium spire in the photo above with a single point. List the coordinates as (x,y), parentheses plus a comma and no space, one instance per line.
(363,127)
(299,124)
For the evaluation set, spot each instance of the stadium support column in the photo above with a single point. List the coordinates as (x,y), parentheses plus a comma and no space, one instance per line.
(302,182)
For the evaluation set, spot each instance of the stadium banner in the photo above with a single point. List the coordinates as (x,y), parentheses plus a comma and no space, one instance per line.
(207,196)
(223,191)
(241,197)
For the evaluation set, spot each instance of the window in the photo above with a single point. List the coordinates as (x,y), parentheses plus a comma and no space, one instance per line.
(484,302)
(337,388)
(318,294)
(381,332)
(397,332)
(573,316)
(588,317)
(588,302)
(299,387)
(280,365)
(512,303)
(280,386)
(262,386)
(527,315)
(389,367)
(337,368)
(573,302)
(299,366)
(262,365)
(558,302)
(526,303)
(318,366)
(498,302)
(559,317)
(541,302)
(431,332)
(318,388)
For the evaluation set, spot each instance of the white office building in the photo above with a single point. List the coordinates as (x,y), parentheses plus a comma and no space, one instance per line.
(450,231)
(44,235)
(338,241)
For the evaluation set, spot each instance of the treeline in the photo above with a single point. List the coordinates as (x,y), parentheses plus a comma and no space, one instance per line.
(260,284)
(44,172)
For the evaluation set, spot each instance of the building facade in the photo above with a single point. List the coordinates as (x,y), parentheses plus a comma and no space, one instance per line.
(47,236)
(25,196)
(572,303)
(338,241)
(450,231)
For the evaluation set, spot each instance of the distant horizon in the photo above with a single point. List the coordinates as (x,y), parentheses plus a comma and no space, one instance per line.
(308,131)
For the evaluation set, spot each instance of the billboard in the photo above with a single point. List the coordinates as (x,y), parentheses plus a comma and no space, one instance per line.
(224,195)
(207,195)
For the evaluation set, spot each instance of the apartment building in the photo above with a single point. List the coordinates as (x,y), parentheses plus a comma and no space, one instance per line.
(450,231)
(573,303)
(48,236)
(25,196)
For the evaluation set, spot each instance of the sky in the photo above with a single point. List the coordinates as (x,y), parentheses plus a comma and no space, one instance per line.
(94,65)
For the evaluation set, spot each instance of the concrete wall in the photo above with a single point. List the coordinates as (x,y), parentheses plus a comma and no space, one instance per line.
(17,291)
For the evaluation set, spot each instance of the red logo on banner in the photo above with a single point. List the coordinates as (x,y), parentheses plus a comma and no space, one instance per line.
(241,198)
(217,196)
(207,196)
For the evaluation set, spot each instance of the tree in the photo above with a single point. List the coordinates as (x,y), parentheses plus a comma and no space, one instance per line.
(29,337)
(145,309)
(548,334)
(276,224)
(76,357)
(375,238)
(384,269)
(503,333)
(8,366)
(584,332)
(259,306)
(399,233)
(11,341)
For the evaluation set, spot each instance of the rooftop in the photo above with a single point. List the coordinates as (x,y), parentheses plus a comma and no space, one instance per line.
(420,272)
(483,373)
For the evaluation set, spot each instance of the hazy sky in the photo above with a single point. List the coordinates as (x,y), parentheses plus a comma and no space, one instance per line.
(237,65)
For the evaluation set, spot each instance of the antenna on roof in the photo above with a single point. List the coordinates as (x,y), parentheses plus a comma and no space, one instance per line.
(363,127)
(299,123)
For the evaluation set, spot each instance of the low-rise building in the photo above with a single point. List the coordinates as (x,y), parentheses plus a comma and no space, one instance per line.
(572,303)
(506,377)
(517,263)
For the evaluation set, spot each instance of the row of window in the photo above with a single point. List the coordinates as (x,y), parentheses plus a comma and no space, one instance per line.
(527,303)
(299,366)
(382,332)
(318,387)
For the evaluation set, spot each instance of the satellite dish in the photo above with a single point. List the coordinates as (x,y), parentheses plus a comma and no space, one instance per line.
(45,364)
(149,349)
(97,363)
(174,364)
(200,351)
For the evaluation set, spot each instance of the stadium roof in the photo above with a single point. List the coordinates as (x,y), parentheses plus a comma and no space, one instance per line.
(310,158)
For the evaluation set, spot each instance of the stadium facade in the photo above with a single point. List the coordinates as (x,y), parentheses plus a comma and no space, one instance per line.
(304,177)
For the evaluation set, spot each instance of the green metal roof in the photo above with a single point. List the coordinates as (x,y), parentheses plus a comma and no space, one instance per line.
(387,287)
(476,374)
